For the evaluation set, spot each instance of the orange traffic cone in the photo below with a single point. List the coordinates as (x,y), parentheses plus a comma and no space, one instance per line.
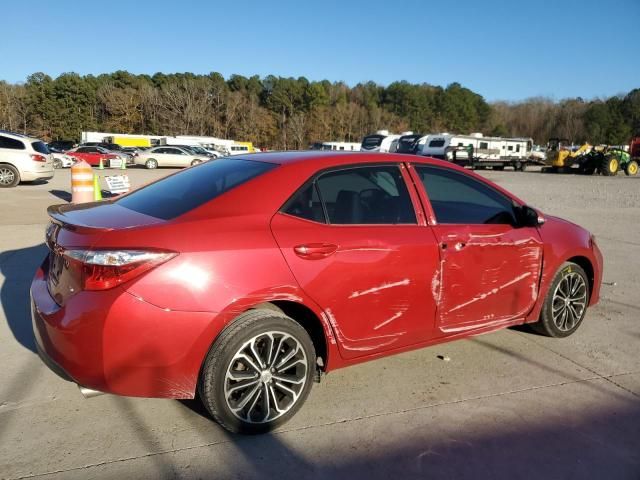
(81,182)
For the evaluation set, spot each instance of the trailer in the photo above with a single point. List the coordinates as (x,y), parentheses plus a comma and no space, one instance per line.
(477,151)
(129,140)
(336,146)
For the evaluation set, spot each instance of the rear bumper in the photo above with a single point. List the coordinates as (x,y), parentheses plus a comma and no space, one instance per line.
(32,176)
(114,342)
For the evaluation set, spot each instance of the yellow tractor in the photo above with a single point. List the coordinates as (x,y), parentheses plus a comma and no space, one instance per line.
(560,157)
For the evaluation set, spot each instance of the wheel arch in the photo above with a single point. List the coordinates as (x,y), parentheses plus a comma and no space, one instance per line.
(307,319)
(587,266)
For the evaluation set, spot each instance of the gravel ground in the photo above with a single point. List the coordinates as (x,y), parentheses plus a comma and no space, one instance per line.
(507,405)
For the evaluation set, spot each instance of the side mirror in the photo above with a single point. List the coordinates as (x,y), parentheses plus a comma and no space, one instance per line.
(530,217)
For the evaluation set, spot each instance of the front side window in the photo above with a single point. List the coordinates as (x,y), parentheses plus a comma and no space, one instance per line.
(366,195)
(457,198)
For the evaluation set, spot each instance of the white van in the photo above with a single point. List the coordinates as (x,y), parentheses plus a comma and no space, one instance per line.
(23,159)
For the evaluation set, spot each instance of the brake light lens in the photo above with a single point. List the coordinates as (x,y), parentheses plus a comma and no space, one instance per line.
(38,158)
(105,269)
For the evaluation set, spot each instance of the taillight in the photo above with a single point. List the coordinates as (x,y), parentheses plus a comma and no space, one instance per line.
(38,158)
(104,269)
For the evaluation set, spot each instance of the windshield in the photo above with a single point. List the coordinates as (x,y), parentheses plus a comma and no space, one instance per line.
(372,141)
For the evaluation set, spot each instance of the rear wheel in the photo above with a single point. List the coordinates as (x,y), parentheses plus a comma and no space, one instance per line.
(631,168)
(566,303)
(151,163)
(9,176)
(57,163)
(258,373)
(610,166)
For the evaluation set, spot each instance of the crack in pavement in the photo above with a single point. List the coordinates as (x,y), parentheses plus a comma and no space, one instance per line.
(341,421)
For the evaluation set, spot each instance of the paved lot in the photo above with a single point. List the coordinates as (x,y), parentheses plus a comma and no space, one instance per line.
(507,405)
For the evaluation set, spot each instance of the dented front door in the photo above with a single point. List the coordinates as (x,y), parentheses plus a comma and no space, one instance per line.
(489,274)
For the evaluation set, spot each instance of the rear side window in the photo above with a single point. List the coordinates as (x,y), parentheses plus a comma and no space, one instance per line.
(366,195)
(40,147)
(436,143)
(457,198)
(306,204)
(186,190)
(11,143)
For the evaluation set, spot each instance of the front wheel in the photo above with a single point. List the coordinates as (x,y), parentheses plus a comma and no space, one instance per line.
(631,168)
(566,303)
(258,372)
(151,164)
(195,162)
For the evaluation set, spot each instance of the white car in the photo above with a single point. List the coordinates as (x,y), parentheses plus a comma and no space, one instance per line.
(23,159)
(167,156)
(62,160)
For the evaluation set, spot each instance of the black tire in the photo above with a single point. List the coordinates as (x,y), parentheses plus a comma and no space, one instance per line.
(222,361)
(631,168)
(610,166)
(523,166)
(562,326)
(9,176)
(151,164)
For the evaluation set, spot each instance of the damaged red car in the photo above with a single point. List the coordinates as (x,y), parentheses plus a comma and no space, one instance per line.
(245,279)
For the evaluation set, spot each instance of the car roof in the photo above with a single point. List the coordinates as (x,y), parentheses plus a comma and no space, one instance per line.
(316,160)
(329,158)
(19,136)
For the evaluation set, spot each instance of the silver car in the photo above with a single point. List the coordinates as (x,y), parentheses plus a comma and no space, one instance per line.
(168,156)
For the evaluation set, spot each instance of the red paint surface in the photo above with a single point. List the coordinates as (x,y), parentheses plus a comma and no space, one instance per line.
(92,159)
(374,290)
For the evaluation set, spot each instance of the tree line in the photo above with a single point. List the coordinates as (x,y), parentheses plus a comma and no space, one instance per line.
(290,113)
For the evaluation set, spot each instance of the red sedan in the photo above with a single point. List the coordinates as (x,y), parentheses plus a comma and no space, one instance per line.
(93,155)
(247,278)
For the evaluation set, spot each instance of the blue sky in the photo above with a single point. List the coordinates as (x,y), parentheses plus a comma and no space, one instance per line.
(500,49)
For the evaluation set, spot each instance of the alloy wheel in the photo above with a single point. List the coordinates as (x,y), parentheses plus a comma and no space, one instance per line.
(569,301)
(265,377)
(7,177)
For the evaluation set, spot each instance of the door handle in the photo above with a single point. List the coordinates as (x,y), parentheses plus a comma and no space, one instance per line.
(315,251)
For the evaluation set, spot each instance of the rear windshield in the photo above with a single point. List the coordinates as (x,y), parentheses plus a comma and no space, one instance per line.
(40,147)
(184,191)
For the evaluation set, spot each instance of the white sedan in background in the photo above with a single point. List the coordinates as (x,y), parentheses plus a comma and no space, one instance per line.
(168,156)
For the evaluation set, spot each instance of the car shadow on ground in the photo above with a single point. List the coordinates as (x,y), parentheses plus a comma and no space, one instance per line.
(18,267)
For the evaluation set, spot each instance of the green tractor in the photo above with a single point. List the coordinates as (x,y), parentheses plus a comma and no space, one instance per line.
(608,162)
